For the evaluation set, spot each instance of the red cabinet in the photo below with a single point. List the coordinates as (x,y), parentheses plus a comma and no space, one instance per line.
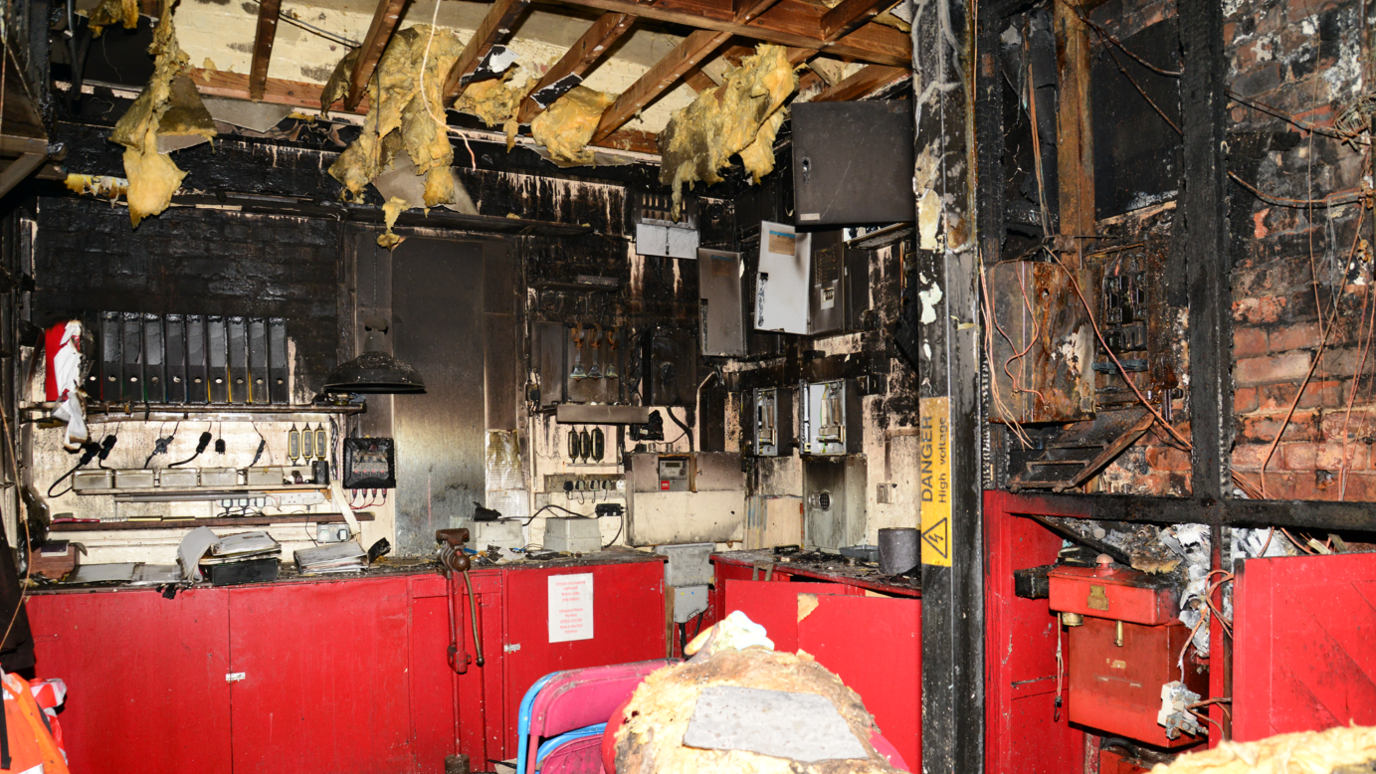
(316,677)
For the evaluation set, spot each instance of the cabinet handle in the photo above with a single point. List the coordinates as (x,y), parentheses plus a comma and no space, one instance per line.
(234,677)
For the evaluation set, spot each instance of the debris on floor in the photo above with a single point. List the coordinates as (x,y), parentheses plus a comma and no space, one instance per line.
(1307,752)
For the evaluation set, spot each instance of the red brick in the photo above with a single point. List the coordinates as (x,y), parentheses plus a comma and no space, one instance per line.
(1278,397)
(1167,458)
(1264,309)
(1288,367)
(1249,456)
(1298,456)
(1263,429)
(1357,486)
(1245,400)
(1297,336)
(1249,342)
(1336,456)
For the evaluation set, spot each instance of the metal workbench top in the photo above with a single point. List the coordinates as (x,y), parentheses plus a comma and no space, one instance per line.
(825,567)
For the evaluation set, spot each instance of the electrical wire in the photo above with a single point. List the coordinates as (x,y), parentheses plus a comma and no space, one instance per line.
(620,522)
(552,506)
(200,447)
(687,431)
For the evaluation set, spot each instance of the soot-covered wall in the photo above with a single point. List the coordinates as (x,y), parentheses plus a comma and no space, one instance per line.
(194,261)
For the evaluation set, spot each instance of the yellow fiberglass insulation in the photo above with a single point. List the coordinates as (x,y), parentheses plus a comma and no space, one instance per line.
(153,177)
(1307,752)
(656,718)
(401,116)
(567,126)
(700,139)
(112,12)
(495,101)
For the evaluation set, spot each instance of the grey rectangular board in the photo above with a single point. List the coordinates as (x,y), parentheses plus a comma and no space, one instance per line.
(867,177)
(826,300)
(720,305)
(794,726)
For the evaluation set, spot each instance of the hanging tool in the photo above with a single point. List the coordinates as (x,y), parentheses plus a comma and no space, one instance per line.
(455,561)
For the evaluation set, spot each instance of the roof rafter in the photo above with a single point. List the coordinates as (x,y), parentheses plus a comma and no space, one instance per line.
(659,78)
(850,15)
(379,35)
(794,23)
(268,11)
(568,72)
(496,27)
(861,83)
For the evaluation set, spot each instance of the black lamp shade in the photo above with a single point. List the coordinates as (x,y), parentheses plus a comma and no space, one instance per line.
(375,373)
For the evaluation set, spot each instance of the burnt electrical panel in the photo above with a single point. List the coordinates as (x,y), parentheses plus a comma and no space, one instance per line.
(767,422)
(579,362)
(669,368)
(721,303)
(831,418)
(868,178)
(1137,327)
(826,301)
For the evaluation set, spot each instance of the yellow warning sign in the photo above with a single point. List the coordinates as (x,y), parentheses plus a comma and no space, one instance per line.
(934,474)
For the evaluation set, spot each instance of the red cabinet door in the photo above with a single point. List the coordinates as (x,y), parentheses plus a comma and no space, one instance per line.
(325,681)
(628,625)
(433,683)
(145,676)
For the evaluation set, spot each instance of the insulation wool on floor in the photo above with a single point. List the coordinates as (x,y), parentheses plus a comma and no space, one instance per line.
(650,742)
(700,139)
(401,117)
(153,177)
(1307,752)
(567,126)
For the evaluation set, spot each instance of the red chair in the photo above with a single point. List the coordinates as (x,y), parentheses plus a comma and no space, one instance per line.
(563,702)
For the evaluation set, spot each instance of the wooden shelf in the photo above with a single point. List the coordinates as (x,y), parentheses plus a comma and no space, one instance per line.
(167,412)
(231,521)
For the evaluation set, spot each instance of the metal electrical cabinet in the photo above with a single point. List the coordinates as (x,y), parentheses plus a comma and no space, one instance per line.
(831,418)
(867,179)
(721,279)
(834,502)
(670,360)
(826,300)
(660,509)
(767,422)
(579,363)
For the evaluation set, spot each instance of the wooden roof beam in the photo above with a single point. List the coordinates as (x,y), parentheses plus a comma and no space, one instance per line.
(659,79)
(851,15)
(496,28)
(379,35)
(861,83)
(268,11)
(792,23)
(568,72)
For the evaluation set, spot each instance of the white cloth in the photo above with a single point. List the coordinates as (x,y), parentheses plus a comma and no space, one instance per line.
(67,375)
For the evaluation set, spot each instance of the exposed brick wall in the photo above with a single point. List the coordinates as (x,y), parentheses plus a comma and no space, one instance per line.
(194,261)
(1291,264)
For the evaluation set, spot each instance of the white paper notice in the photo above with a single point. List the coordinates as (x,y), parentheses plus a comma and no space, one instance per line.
(570,607)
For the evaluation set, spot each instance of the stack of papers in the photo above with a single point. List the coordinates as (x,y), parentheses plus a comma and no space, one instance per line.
(202,546)
(331,557)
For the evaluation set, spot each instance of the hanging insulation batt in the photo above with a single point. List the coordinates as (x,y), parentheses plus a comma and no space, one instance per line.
(112,12)
(495,101)
(401,117)
(651,740)
(1307,752)
(742,115)
(566,128)
(153,177)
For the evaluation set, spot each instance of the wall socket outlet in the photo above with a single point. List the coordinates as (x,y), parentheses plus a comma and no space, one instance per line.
(331,533)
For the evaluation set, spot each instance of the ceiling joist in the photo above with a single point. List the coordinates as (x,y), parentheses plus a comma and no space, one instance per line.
(268,11)
(379,35)
(863,82)
(851,15)
(496,28)
(570,69)
(659,79)
(793,23)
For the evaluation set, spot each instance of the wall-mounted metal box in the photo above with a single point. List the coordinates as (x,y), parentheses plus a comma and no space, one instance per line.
(866,179)
(721,303)
(767,422)
(670,368)
(826,300)
(831,417)
(579,363)
(712,510)
(781,284)
(834,502)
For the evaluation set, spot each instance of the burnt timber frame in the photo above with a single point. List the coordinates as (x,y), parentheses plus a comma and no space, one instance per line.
(944,59)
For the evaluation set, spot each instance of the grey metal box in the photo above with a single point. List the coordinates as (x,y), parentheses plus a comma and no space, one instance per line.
(689,564)
(834,501)
(133,479)
(767,422)
(92,480)
(179,478)
(504,533)
(575,535)
(268,476)
(831,418)
(219,477)
(826,300)
(721,305)
(866,179)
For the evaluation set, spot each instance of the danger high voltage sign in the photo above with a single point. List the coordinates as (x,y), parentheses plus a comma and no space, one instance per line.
(934,475)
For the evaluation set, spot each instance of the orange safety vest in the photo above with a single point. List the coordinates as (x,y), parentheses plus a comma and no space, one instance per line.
(28,739)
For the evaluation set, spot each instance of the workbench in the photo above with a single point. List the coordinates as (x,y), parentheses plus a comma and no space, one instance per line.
(329,673)
(863,625)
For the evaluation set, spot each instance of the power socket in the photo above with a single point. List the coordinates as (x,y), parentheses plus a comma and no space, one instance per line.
(331,533)
(299,498)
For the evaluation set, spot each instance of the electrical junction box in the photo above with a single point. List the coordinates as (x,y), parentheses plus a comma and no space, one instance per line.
(689,602)
(133,479)
(219,477)
(503,533)
(721,306)
(269,476)
(689,564)
(767,422)
(831,418)
(370,463)
(331,533)
(575,535)
(826,301)
(179,478)
(84,481)
(1125,644)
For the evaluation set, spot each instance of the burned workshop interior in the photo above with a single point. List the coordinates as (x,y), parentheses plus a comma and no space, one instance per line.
(674,386)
